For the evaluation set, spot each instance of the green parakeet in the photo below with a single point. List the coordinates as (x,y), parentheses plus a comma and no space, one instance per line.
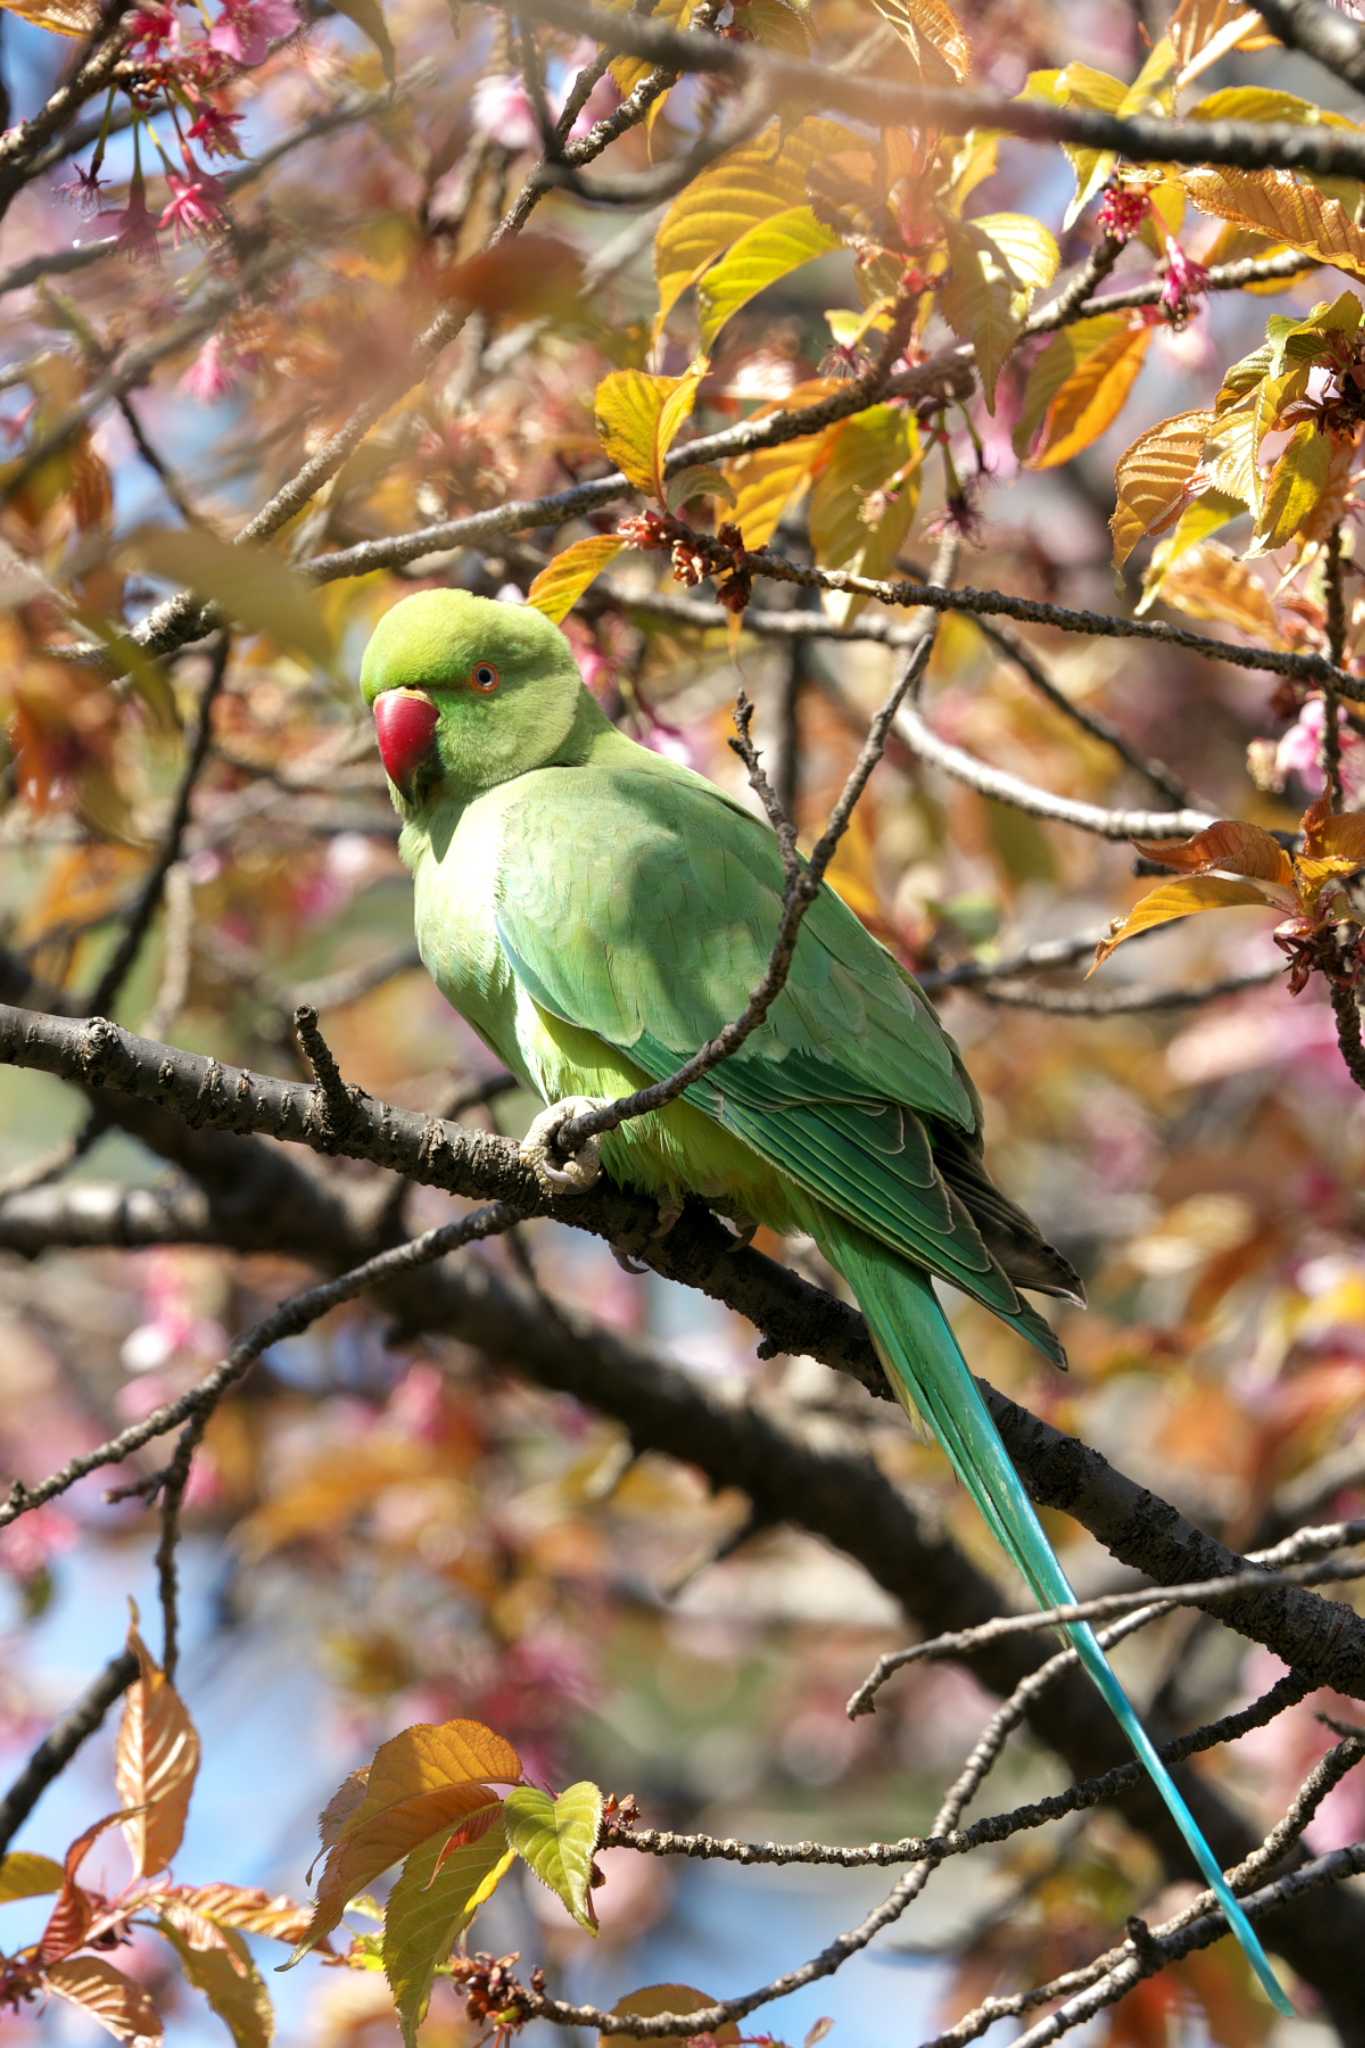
(598,913)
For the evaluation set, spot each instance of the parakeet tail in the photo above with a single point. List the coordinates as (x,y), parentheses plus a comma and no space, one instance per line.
(933,1381)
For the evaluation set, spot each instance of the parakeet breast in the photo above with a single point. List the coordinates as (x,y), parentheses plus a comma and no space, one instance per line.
(456,857)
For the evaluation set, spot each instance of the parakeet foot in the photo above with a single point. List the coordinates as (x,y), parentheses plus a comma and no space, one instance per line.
(571,1176)
(624,1252)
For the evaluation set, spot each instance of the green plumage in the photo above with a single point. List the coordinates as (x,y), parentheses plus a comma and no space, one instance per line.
(598,913)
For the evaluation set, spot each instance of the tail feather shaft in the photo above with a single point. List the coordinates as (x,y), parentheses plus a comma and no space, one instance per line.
(932,1378)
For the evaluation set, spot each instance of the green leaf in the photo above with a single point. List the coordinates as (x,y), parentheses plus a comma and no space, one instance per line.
(638,418)
(1296,484)
(560,584)
(368,17)
(217,1961)
(442,1886)
(558,1838)
(26,1876)
(995,264)
(702,480)
(742,189)
(254,588)
(865,498)
(769,251)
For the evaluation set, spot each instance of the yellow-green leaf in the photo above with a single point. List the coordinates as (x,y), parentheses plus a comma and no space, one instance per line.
(1296,484)
(765,484)
(1276,204)
(700,480)
(742,189)
(254,588)
(26,1876)
(769,251)
(558,1838)
(863,455)
(217,1961)
(1204,516)
(1263,103)
(560,584)
(932,22)
(1090,374)
(63,17)
(440,1890)
(1153,477)
(1183,898)
(995,264)
(628,72)
(638,418)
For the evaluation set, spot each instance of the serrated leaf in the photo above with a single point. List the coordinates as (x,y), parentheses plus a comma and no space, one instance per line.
(560,584)
(768,251)
(382,1839)
(121,2007)
(74,1911)
(434,1900)
(742,189)
(254,588)
(1239,849)
(155,1764)
(1276,204)
(558,1838)
(1213,583)
(1263,103)
(995,264)
(1208,512)
(628,72)
(653,1999)
(1202,31)
(1296,484)
(63,17)
(1090,375)
(638,418)
(217,1961)
(1185,898)
(702,480)
(249,1908)
(435,1753)
(26,1876)
(1153,477)
(776,26)
(368,17)
(932,22)
(873,455)
(769,479)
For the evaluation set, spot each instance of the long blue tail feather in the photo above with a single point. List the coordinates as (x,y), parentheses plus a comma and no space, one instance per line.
(934,1382)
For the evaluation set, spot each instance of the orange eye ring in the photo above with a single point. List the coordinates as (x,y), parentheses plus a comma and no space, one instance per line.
(484,678)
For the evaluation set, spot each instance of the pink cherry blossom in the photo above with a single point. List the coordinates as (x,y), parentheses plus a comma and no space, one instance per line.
(246,30)
(1300,753)
(195,206)
(212,374)
(134,225)
(502,110)
(212,128)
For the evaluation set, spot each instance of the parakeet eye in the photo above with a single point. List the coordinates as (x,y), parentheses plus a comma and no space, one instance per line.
(484,678)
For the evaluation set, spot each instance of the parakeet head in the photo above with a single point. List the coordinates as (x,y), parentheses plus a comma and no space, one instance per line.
(466,693)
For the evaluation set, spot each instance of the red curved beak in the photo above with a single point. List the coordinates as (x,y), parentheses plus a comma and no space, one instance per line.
(405,723)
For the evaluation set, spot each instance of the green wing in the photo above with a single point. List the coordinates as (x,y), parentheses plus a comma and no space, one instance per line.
(642,905)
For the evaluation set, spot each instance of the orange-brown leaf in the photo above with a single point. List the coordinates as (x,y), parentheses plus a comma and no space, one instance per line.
(250,1908)
(1274,203)
(1185,898)
(1238,849)
(121,2007)
(156,1762)
(1092,397)
(1153,477)
(653,1999)
(382,1839)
